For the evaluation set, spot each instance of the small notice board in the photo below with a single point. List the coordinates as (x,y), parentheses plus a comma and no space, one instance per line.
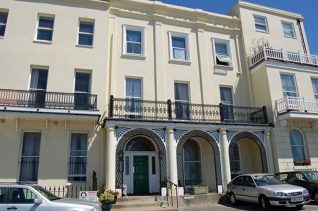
(88,195)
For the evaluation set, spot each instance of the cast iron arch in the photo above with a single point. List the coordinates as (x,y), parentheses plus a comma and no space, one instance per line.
(254,138)
(215,148)
(139,132)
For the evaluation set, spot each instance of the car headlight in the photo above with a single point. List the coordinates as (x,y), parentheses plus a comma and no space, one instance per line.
(305,192)
(279,194)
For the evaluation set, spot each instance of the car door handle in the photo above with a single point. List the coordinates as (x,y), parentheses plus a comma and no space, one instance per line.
(12,208)
(243,189)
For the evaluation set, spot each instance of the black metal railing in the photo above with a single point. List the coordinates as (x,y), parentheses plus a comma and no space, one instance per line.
(180,111)
(43,99)
(68,191)
(170,186)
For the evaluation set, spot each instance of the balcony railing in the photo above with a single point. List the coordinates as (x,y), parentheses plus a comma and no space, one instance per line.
(51,100)
(274,54)
(135,109)
(299,104)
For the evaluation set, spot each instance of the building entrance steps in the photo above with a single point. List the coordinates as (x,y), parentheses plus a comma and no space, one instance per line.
(155,203)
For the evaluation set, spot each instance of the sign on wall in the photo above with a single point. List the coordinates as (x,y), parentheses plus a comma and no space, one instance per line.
(88,195)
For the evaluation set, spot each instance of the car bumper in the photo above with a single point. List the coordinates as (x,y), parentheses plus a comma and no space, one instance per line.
(287,202)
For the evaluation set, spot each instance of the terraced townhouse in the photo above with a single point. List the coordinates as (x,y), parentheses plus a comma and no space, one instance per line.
(130,93)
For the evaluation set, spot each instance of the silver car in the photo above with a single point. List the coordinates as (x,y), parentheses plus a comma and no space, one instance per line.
(24,197)
(266,190)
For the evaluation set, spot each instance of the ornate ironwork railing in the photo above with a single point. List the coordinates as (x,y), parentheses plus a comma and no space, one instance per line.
(281,55)
(43,99)
(120,108)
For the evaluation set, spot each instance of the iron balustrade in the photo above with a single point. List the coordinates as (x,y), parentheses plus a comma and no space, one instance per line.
(43,99)
(136,109)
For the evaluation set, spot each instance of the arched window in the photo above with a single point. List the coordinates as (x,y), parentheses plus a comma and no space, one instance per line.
(192,163)
(139,144)
(298,148)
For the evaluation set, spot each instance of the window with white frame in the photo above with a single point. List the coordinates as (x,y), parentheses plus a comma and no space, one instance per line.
(314,82)
(78,157)
(85,33)
(134,40)
(260,23)
(133,96)
(298,147)
(227,101)
(289,30)
(222,53)
(179,47)
(82,90)
(289,85)
(45,28)
(3,22)
(30,155)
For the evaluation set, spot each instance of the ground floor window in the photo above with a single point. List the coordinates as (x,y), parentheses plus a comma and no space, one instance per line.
(78,158)
(30,157)
(298,148)
(192,163)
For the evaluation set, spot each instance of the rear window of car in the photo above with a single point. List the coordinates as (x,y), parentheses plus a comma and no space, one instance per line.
(238,181)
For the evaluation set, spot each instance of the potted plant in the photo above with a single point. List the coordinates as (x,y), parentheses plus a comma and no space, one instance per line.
(199,189)
(115,194)
(106,199)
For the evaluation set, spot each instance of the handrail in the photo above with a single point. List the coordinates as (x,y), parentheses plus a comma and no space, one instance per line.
(171,184)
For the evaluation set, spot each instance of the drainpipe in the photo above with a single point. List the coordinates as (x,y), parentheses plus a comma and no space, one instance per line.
(302,36)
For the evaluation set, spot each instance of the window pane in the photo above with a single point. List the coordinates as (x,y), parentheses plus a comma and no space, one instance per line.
(134,36)
(314,82)
(153,162)
(127,165)
(287,26)
(179,54)
(85,39)
(296,138)
(259,20)
(3,17)
(178,42)
(87,27)
(181,91)
(46,22)
(82,82)
(288,84)
(3,195)
(261,27)
(30,156)
(44,34)
(78,157)
(134,48)
(221,48)
(226,95)
(21,196)
(2,30)
(191,151)
(192,173)
(133,87)
(298,153)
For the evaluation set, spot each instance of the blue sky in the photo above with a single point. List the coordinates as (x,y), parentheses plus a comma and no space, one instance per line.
(307,8)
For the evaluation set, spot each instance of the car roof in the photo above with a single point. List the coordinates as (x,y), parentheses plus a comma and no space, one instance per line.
(297,171)
(16,184)
(255,174)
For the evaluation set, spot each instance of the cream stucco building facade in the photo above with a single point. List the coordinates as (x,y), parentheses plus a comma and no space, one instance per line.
(136,92)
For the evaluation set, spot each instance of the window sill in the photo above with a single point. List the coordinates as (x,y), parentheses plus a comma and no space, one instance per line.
(266,32)
(224,67)
(84,46)
(1,37)
(133,56)
(43,42)
(290,37)
(181,62)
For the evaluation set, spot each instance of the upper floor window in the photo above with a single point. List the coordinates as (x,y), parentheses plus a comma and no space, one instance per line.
(227,101)
(3,22)
(289,30)
(38,87)
(78,157)
(222,53)
(289,85)
(45,28)
(86,33)
(179,47)
(133,96)
(82,90)
(134,40)
(314,82)
(261,23)
(182,100)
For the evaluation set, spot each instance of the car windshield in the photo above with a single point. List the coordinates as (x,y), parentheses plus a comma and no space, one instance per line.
(264,180)
(312,176)
(47,194)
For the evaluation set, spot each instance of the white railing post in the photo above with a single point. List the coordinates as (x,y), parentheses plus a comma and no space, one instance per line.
(300,57)
(264,51)
(305,106)
(283,54)
(287,102)
(316,60)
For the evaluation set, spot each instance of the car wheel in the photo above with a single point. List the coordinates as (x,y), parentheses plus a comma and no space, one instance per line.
(316,197)
(299,206)
(233,199)
(264,203)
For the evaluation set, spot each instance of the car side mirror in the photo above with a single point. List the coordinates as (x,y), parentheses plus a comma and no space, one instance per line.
(38,201)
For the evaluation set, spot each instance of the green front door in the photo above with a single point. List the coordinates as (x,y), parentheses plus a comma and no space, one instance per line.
(141,175)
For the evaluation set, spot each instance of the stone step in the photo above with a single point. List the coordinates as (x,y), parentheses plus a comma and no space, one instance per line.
(137,202)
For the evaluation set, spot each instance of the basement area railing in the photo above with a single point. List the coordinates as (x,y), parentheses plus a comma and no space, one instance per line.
(136,109)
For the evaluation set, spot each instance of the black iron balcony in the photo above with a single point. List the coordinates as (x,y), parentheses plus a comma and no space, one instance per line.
(51,100)
(120,108)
